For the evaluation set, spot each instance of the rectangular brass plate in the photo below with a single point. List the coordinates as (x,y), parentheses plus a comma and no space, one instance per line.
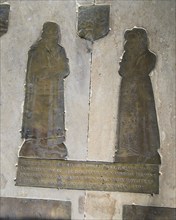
(101,176)
(18,208)
(4,18)
(134,212)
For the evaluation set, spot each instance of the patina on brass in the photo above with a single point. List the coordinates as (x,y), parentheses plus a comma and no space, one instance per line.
(102,176)
(138,134)
(135,212)
(93,21)
(4,18)
(43,118)
(23,209)
(136,166)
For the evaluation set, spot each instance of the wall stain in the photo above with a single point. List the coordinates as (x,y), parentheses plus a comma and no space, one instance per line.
(81,204)
(3,181)
(100,205)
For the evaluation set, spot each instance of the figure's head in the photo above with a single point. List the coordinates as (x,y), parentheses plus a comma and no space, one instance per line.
(136,40)
(136,43)
(51,31)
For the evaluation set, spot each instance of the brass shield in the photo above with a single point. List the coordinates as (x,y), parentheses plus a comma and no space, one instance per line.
(93,21)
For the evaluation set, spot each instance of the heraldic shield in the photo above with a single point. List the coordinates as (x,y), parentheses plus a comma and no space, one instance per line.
(93,21)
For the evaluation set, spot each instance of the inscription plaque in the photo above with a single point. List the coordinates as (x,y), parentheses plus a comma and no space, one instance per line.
(138,134)
(23,209)
(93,21)
(88,175)
(134,212)
(43,117)
(4,18)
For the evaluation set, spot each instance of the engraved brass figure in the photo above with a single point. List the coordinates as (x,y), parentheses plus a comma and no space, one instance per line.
(4,18)
(93,21)
(138,134)
(43,119)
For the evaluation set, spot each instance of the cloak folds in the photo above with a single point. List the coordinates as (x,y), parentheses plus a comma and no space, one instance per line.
(138,134)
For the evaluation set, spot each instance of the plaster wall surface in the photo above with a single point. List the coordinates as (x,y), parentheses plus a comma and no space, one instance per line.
(91,96)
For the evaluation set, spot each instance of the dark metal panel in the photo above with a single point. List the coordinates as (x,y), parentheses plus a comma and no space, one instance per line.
(134,212)
(22,209)
(4,18)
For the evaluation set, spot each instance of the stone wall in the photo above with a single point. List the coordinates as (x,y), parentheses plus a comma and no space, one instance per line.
(91,95)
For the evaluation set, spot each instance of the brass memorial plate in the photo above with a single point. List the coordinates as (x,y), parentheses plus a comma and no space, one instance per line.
(134,212)
(28,209)
(138,133)
(43,154)
(93,21)
(101,176)
(4,18)
(43,126)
